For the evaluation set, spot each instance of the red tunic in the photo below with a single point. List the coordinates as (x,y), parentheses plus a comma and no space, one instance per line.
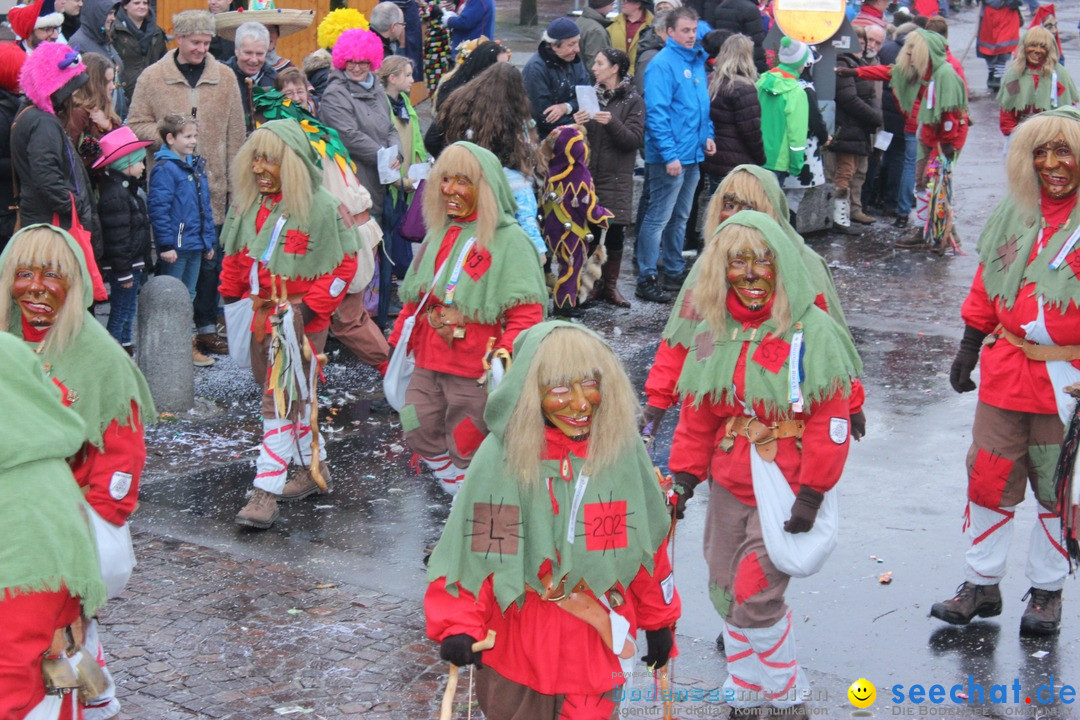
(539,644)
(465,356)
(1008,379)
(695,447)
(1009,119)
(999,31)
(25,634)
(235,283)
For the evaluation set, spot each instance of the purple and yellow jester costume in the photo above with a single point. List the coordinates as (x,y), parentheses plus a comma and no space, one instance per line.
(569,207)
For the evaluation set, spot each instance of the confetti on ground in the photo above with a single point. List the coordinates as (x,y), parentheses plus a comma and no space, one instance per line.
(294,611)
(1039,654)
(291,709)
(885,578)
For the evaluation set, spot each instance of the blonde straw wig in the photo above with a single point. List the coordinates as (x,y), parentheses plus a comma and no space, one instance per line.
(1019,164)
(296,183)
(459,160)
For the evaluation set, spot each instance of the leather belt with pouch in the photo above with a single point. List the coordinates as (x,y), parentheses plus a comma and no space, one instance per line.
(264,308)
(760,434)
(1041,353)
(581,604)
(61,675)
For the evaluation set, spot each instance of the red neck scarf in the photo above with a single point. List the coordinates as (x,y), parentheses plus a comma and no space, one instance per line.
(746,316)
(31,333)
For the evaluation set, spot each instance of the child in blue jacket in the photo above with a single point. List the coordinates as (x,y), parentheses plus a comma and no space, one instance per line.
(179,203)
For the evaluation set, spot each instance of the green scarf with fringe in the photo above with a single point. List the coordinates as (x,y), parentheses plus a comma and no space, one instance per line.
(302,249)
(46,541)
(949,90)
(514,276)
(829,361)
(93,365)
(419,152)
(1018,91)
(501,530)
(684,319)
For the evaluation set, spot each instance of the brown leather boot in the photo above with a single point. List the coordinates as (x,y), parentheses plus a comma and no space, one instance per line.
(1042,616)
(260,512)
(212,344)
(970,600)
(302,484)
(609,277)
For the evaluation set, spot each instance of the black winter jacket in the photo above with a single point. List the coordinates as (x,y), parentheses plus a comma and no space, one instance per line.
(857,116)
(736,116)
(649,43)
(50,172)
(124,224)
(613,149)
(742,16)
(9,105)
(550,81)
(137,49)
(890,112)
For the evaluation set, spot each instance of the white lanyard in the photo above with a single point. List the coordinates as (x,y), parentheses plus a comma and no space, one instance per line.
(794,375)
(579,494)
(451,285)
(1065,249)
(274,238)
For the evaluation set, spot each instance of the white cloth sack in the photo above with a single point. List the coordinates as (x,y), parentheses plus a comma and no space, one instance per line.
(399,370)
(801,554)
(238,317)
(115,552)
(55,707)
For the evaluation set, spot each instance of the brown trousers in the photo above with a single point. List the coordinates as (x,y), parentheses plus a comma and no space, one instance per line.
(503,699)
(353,327)
(745,587)
(259,353)
(438,408)
(1010,450)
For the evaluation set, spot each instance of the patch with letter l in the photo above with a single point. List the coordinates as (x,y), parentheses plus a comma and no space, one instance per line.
(838,430)
(336,287)
(120,485)
(667,585)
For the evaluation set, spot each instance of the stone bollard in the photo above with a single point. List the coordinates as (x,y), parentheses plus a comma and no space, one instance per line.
(815,209)
(164,343)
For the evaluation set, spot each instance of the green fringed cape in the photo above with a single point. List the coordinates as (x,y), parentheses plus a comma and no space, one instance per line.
(93,365)
(829,360)
(304,250)
(498,529)
(1018,91)
(683,321)
(514,276)
(949,90)
(46,541)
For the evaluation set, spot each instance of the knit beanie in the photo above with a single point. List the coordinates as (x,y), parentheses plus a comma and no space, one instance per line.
(561,28)
(12,58)
(793,54)
(194,22)
(675,4)
(53,68)
(126,161)
(597,4)
(23,18)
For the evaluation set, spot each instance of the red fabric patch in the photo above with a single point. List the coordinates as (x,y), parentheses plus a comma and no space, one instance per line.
(1073,259)
(687,311)
(704,345)
(477,263)
(987,478)
(296,242)
(749,578)
(605,525)
(467,437)
(772,353)
(821,302)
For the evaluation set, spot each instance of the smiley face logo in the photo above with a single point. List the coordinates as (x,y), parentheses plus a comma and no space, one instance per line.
(862,693)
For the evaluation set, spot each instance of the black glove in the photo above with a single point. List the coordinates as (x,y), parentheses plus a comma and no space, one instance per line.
(803,510)
(684,490)
(967,357)
(306,313)
(651,417)
(659,643)
(458,650)
(858,425)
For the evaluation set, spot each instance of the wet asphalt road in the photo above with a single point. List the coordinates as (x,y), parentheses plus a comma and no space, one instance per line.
(902,494)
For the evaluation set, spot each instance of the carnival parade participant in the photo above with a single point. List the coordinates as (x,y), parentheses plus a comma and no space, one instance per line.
(746,187)
(1022,329)
(41,269)
(289,251)
(774,418)
(571,561)
(49,574)
(473,286)
(569,207)
(1035,81)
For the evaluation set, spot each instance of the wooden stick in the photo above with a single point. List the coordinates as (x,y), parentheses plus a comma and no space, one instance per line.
(319,361)
(446,711)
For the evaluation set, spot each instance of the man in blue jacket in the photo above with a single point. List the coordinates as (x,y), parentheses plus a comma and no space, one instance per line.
(678,135)
(468,20)
(553,73)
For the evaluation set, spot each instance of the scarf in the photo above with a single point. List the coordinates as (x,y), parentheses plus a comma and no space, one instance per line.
(605,95)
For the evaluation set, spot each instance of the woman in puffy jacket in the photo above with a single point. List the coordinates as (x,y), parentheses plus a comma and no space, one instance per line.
(735,111)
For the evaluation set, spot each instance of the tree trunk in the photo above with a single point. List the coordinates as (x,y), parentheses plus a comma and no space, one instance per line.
(528,13)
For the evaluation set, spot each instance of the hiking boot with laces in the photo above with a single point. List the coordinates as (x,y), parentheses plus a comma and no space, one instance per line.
(1042,616)
(302,484)
(260,512)
(212,344)
(970,600)
(650,290)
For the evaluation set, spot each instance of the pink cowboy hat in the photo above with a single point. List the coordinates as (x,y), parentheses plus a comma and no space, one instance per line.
(118,143)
